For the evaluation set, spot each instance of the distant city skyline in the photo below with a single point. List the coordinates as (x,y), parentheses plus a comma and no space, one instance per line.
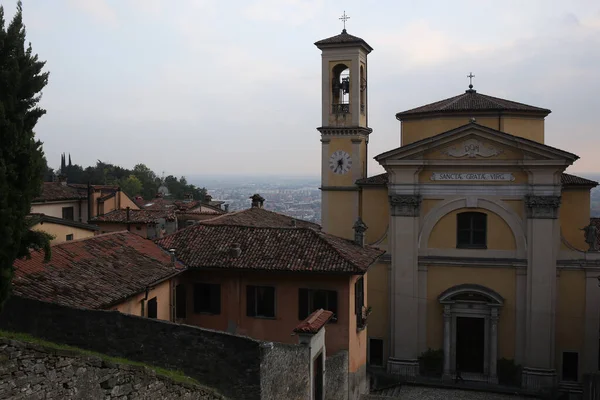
(224,87)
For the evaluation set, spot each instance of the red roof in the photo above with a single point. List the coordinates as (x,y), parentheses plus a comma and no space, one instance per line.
(260,218)
(135,216)
(314,322)
(268,248)
(185,206)
(94,273)
(60,191)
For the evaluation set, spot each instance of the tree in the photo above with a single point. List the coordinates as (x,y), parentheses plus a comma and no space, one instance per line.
(22,161)
(131,185)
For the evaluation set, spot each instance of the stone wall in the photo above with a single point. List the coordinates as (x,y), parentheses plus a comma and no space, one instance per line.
(285,372)
(231,364)
(30,371)
(336,381)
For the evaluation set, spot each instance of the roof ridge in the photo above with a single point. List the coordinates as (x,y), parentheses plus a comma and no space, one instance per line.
(90,238)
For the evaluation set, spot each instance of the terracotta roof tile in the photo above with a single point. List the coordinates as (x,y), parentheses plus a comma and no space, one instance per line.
(268,248)
(194,206)
(259,217)
(314,322)
(95,272)
(135,216)
(566,180)
(471,101)
(57,191)
(343,39)
(572,180)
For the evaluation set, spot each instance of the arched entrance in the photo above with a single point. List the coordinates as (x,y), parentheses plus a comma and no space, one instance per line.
(471,331)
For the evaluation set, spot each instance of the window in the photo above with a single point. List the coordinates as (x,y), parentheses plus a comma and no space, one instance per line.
(570,366)
(70,237)
(260,301)
(67,213)
(359,302)
(207,298)
(180,301)
(471,229)
(152,308)
(376,352)
(310,300)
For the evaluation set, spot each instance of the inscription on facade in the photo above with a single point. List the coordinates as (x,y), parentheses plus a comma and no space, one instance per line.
(472,176)
(472,148)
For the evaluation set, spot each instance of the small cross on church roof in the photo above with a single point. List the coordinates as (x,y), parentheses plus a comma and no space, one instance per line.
(470,76)
(344,18)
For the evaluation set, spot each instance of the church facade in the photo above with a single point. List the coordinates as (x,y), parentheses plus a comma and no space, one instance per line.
(490,253)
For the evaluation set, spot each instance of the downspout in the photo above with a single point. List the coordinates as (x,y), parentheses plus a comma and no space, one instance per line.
(144,302)
(172,285)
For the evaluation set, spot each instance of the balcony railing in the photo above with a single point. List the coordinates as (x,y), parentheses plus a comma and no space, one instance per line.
(342,108)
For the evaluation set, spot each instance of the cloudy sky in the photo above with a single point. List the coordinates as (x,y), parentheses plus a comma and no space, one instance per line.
(224,87)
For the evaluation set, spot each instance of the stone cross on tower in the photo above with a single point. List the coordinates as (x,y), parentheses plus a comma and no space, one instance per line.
(344,18)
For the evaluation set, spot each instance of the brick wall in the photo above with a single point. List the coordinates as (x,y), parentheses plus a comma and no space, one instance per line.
(231,364)
(29,371)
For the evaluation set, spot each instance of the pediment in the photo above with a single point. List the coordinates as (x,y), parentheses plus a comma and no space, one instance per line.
(474,143)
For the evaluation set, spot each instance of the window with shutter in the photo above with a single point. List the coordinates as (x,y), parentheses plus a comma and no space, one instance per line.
(207,298)
(260,301)
(310,300)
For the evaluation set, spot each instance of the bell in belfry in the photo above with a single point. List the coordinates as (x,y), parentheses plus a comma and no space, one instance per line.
(346,85)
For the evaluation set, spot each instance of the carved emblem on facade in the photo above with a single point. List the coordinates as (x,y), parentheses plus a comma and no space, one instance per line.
(405,205)
(472,148)
(542,206)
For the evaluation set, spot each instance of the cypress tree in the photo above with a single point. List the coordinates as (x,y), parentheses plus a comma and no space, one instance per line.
(70,160)
(63,166)
(21,156)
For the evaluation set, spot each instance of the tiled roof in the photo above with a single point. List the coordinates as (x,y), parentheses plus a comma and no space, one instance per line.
(381,179)
(343,39)
(259,217)
(275,249)
(39,218)
(158,203)
(572,180)
(471,101)
(57,191)
(314,322)
(135,216)
(93,273)
(566,180)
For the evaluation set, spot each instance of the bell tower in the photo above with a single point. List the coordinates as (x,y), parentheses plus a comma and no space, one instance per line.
(344,130)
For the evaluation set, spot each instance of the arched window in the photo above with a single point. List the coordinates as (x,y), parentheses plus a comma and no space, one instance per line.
(471,230)
(341,89)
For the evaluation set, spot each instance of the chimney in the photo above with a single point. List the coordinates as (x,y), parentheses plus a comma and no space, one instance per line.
(226,207)
(235,250)
(173,258)
(62,178)
(359,232)
(293,223)
(207,198)
(257,200)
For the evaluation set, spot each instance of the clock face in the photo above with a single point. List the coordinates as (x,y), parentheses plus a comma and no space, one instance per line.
(340,162)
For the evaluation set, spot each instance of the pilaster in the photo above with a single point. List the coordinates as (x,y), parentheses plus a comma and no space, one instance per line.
(592,322)
(404,227)
(543,241)
(447,340)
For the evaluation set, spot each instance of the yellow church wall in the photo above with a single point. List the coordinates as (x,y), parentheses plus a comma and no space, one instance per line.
(342,205)
(501,280)
(499,234)
(336,144)
(60,232)
(414,130)
(375,212)
(516,206)
(528,128)
(521,177)
(574,215)
(377,288)
(506,154)
(570,313)
(417,129)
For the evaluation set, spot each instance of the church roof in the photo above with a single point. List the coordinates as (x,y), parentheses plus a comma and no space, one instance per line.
(344,39)
(471,101)
(566,180)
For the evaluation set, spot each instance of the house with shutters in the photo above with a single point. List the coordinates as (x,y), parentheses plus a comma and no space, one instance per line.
(259,273)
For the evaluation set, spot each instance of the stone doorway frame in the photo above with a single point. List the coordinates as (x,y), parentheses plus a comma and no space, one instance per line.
(486,304)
